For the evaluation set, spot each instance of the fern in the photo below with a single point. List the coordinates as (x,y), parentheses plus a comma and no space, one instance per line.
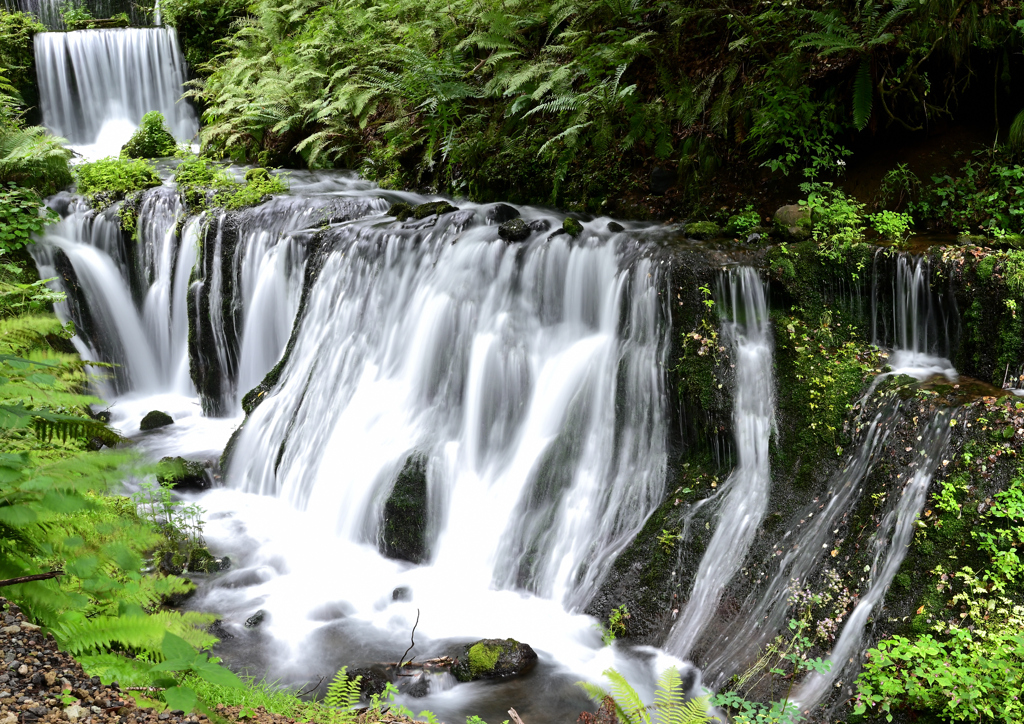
(343,692)
(863,95)
(670,702)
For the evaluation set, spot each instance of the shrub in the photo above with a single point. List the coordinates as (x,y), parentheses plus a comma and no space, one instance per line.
(151,140)
(116,176)
(32,158)
(22,215)
(892,225)
(16,57)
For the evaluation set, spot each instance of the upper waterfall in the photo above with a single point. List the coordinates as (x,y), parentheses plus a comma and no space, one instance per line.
(95,85)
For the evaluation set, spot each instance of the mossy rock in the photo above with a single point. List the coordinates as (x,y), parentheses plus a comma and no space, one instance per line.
(400,210)
(151,140)
(404,530)
(793,222)
(257,174)
(433,208)
(703,230)
(514,230)
(155,419)
(182,474)
(572,226)
(200,560)
(494,659)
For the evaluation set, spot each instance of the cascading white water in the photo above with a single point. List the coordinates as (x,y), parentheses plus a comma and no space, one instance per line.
(48,11)
(746,494)
(919,326)
(889,547)
(95,85)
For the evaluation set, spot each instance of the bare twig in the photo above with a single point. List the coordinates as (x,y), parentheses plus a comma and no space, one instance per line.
(26,579)
(515,716)
(412,642)
(306,691)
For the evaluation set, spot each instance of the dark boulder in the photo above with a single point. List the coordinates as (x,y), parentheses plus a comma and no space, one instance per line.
(539,225)
(372,680)
(500,213)
(494,659)
(572,226)
(182,474)
(515,230)
(404,530)
(615,227)
(793,221)
(155,419)
(256,619)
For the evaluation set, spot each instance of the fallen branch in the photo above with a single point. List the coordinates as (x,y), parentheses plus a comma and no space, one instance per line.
(306,691)
(515,716)
(26,579)
(412,642)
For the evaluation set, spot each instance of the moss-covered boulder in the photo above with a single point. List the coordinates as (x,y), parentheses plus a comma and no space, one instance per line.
(432,208)
(703,230)
(155,419)
(182,474)
(400,210)
(494,659)
(151,140)
(404,531)
(514,230)
(572,226)
(793,221)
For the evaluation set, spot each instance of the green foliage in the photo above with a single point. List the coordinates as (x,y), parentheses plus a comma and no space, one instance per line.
(343,692)
(670,704)
(22,216)
(616,626)
(151,140)
(201,24)
(744,222)
(16,57)
(891,225)
(18,296)
(115,176)
(76,15)
(32,158)
(837,222)
(196,176)
(985,195)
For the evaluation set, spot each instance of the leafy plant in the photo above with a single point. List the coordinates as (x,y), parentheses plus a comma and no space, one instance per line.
(22,216)
(891,225)
(616,626)
(115,176)
(151,140)
(34,159)
(76,15)
(670,700)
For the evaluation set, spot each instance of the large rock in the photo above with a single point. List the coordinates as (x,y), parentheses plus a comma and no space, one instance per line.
(514,230)
(431,208)
(404,532)
(182,474)
(703,230)
(155,419)
(793,221)
(572,226)
(500,213)
(494,659)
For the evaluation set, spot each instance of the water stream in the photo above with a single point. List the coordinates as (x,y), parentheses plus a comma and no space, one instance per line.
(528,378)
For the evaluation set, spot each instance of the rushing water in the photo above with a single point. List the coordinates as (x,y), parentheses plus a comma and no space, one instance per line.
(95,85)
(529,378)
(746,493)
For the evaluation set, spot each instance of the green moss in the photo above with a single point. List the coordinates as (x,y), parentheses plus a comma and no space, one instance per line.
(483,658)
(985,267)
(572,226)
(703,230)
(115,177)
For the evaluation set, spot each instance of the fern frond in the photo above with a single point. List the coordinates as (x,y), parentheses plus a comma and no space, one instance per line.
(863,95)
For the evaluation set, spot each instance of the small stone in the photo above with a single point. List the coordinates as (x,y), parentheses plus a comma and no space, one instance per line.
(155,419)
(49,677)
(95,710)
(164,716)
(74,712)
(256,619)
(11,718)
(539,225)
(11,629)
(514,230)
(402,593)
(615,227)
(26,626)
(23,669)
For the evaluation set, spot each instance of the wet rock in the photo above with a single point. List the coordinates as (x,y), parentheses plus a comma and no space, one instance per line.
(256,619)
(754,238)
(257,174)
(514,230)
(431,208)
(403,534)
(539,225)
(500,213)
(556,232)
(155,419)
(793,221)
(615,227)
(572,226)
(400,210)
(402,593)
(494,659)
(372,682)
(182,474)
(662,179)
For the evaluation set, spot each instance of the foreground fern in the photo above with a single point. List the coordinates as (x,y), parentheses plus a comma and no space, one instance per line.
(671,705)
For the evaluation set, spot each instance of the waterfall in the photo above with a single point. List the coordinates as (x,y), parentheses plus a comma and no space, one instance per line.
(530,377)
(917,324)
(888,548)
(48,11)
(95,85)
(746,491)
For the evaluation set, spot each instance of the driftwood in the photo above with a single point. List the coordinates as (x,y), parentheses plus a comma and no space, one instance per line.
(26,579)
(515,716)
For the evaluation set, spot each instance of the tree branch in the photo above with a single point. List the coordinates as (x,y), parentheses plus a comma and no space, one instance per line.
(412,642)
(26,579)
